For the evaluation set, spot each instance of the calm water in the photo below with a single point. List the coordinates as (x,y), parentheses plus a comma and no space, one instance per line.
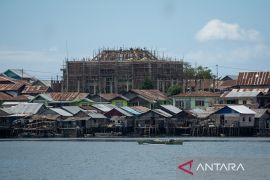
(115,160)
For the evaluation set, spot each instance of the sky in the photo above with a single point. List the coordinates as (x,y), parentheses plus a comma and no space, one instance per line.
(38,35)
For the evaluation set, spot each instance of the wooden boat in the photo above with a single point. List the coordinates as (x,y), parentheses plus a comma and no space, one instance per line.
(161,141)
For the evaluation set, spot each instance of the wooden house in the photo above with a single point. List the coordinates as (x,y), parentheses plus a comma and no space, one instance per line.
(262,121)
(152,122)
(150,98)
(5,124)
(121,118)
(115,99)
(234,116)
(57,99)
(180,118)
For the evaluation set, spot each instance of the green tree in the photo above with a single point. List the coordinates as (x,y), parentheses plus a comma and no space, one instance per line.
(174,89)
(189,71)
(147,84)
(204,73)
(197,73)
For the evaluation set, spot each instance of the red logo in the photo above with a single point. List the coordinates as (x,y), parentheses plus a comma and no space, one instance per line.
(182,167)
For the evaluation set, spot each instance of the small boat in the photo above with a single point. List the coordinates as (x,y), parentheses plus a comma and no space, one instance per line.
(161,141)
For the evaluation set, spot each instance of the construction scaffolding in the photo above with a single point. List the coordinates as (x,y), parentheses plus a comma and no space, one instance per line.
(115,71)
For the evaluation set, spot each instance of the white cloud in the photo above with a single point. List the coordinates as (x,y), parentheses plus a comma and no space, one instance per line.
(218,30)
(234,55)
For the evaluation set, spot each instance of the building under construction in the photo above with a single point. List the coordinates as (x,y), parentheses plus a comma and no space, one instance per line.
(115,71)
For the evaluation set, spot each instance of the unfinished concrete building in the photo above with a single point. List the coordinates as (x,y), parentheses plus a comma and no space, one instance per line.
(115,71)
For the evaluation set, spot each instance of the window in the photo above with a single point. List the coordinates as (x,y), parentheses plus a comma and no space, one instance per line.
(231,102)
(199,103)
(179,103)
(249,119)
(244,119)
(244,102)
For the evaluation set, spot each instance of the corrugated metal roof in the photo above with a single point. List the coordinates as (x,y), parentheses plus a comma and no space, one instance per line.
(172,108)
(162,113)
(72,109)
(97,115)
(200,113)
(141,109)
(6,80)
(20,73)
(151,94)
(130,110)
(67,96)
(198,94)
(253,78)
(234,93)
(21,98)
(10,87)
(103,107)
(110,96)
(123,112)
(11,103)
(24,108)
(241,109)
(35,89)
(260,112)
(45,96)
(47,83)
(61,112)
(4,96)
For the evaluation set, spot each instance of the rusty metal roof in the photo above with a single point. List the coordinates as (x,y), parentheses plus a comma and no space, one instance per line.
(4,79)
(141,109)
(111,96)
(198,94)
(35,89)
(254,79)
(21,98)
(151,94)
(67,96)
(10,87)
(5,97)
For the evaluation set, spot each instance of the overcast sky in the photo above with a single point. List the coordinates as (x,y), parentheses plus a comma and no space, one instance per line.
(231,33)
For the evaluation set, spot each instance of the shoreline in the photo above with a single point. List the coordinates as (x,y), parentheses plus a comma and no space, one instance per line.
(135,139)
